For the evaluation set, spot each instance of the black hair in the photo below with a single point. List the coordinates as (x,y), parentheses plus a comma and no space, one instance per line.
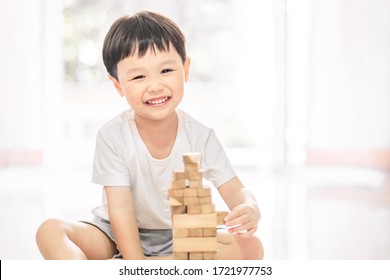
(140,33)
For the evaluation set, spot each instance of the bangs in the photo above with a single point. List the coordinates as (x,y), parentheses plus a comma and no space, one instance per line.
(139,34)
(144,37)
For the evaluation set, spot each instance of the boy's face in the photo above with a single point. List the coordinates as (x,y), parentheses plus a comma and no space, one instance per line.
(152,84)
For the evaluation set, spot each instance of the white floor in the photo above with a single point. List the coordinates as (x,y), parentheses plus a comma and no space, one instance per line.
(307,212)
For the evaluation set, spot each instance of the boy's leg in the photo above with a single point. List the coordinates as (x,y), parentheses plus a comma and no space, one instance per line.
(58,239)
(233,247)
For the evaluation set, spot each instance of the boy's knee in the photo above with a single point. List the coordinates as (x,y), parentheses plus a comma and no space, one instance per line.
(240,248)
(251,248)
(47,228)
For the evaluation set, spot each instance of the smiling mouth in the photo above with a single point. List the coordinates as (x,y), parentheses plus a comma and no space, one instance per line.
(158,101)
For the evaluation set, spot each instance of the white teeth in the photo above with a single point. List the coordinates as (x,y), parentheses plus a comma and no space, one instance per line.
(157,101)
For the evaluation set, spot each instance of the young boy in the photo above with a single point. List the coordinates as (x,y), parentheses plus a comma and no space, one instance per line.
(137,151)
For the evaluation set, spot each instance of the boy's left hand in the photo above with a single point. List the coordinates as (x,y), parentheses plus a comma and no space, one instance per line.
(242,220)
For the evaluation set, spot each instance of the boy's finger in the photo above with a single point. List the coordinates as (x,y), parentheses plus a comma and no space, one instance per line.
(236,221)
(246,234)
(237,229)
(236,212)
(242,228)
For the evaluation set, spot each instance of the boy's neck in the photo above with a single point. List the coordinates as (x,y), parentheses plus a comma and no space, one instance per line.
(157,126)
(158,136)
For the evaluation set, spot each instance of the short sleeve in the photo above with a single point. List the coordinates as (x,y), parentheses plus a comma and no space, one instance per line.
(109,166)
(218,168)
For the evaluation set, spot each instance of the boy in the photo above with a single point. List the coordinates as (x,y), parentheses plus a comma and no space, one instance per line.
(137,151)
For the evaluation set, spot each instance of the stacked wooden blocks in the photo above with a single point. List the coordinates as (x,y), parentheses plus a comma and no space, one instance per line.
(194,219)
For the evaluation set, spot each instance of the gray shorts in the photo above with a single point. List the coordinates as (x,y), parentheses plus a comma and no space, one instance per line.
(154,242)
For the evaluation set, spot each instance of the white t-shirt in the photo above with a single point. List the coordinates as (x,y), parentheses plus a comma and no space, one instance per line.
(122,159)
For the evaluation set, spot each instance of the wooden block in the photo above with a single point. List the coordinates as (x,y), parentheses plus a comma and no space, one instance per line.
(190,200)
(190,192)
(194,209)
(195,244)
(178,184)
(181,209)
(180,232)
(195,184)
(176,192)
(201,209)
(181,255)
(194,221)
(173,201)
(208,232)
(195,175)
(210,255)
(191,166)
(191,158)
(195,256)
(207,208)
(220,217)
(205,200)
(187,192)
(178,175)
(195,232)
(203,191)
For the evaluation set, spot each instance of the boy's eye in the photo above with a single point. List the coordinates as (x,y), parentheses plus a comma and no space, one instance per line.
(138,77)
(166,71)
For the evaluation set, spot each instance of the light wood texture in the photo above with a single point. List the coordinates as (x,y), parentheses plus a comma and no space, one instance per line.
(200,209)
(191,166)
(210,255)
(191,157)
(203,191)
(178,184)
(220,217)
(208,232)
(195,175)
(196,256)
(194,221)
(195,184)
(175,202)
(179,175)
(195,244)
(195,232)
(180,232)
(181,209)
(181,255)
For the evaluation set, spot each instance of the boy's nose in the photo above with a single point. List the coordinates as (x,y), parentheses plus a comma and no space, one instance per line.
(155,86)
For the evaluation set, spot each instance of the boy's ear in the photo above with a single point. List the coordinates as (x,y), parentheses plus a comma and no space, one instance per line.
(116,84)
(187,68)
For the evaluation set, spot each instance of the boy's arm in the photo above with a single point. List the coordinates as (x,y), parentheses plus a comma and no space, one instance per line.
(245,213)
(123,221)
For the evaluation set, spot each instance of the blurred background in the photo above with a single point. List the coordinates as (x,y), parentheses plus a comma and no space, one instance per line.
(297,91)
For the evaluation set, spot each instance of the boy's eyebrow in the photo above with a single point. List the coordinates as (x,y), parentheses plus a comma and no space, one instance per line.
(165,61)
(133,69)
(168,61)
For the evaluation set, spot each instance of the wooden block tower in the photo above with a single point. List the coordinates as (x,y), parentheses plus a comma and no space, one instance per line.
(194,219)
